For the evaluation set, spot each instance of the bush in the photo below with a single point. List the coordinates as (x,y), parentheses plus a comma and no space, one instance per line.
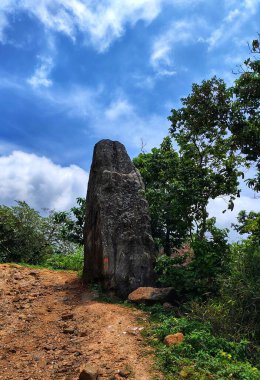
(236,311)
(72,261)
(21,235)
(241,289)
(195,271)
(172,271)
(201,355)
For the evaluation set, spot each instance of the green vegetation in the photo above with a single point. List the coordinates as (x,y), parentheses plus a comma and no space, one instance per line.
(69,262)
(246,129)
(194,270)
(216,133)
(202,355)
(214,138)
(71,222)
(22,237)
(170,206)
(235,312)
(200,128)
(53,241)
(249,223)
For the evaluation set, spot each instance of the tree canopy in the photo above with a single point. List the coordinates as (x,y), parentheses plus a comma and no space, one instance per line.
(26,236)
(200,128)
(22,237)
(217,137)
(170,207)
(246,129)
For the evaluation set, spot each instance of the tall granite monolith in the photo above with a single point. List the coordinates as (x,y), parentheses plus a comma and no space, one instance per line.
(119,249)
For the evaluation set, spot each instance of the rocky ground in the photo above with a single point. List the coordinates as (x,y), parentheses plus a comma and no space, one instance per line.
(51,327)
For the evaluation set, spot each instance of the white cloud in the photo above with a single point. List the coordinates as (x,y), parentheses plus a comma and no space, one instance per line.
(6,147)
(122,121)
(40,182)
(161,50)
(238,13)
(118,109)
(183,32)
(229,31)
(119,119)
(167,73)
(234,13)
(100,21)
(76,101)
(251,5)
(5,7)
(41,74)
(10,82)
(224,220)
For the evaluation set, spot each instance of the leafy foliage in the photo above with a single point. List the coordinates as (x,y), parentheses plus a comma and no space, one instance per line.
(54,234)
(22,237)
(167,196)
(246,129)
(235,313)
(72,261)
(241,289)
(201,355)
(72,223)
(249,223)
(26,236)
(209,162)
(195,272)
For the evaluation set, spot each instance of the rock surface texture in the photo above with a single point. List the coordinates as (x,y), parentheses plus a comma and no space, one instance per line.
(173,339)
(119,249)
(151,295)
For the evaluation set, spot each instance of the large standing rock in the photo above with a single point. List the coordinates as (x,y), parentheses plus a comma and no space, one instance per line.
(119,249)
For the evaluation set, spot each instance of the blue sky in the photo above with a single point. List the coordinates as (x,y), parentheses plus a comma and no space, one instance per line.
(73,72)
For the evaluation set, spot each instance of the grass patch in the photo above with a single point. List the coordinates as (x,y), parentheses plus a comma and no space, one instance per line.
(202,355)
(72,261)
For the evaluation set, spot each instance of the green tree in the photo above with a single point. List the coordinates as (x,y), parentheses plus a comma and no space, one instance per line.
(166,194)
(249,223)
(22,237)
(207,153)
(71,223)
(240,290)
(55,236)
(194,270)
(246,129)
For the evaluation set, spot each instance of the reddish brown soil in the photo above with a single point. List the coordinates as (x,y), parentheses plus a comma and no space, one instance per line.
(51,326)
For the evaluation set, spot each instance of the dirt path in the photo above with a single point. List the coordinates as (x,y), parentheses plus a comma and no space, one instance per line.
(50,327)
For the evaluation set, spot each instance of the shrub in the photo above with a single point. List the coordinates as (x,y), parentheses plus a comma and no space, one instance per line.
(21,235)
(73,261)
(236,311)
(201,355)
(172,271)
(195,271)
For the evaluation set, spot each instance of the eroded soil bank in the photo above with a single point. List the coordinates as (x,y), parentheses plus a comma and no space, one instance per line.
(51,327)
